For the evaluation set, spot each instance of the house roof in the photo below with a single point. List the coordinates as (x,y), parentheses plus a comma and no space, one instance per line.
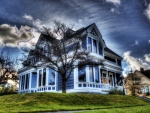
(112,52)
(146,73)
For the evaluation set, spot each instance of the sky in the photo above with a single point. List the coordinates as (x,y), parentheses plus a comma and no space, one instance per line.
(124,24)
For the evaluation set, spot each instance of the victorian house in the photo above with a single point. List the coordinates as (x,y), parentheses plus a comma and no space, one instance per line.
(91,79)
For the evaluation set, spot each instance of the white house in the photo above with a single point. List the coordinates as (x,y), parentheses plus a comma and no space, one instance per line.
(91,79)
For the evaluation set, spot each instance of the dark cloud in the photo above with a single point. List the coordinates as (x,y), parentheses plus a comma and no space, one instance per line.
(10,36)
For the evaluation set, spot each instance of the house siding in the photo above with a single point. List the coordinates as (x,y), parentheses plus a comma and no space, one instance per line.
(69,84)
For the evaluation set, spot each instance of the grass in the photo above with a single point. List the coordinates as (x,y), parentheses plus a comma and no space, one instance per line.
(139,109)
(36,102)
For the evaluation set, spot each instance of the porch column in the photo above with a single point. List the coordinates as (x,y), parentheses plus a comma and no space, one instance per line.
(47,75)
(30,77)
(107,76)
(87,74)
(100,75)
(20,81)
(37,85)
(115,80)
(24,81)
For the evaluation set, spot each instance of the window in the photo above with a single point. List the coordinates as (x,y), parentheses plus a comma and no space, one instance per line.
(91,74)
(34,80)
(96,74)
(137,80)
(81,74)
(89,44)
(40,77)
(51,79)
(27,81)
(119,62)
(22,82)
(147,89)
(84,43)
(44,77)
(94,46)
(100,49)
(111,78)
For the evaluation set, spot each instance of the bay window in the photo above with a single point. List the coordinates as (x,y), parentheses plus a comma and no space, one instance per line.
(51,78)
(81,74)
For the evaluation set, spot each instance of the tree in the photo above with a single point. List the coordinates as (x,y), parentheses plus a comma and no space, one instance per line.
(62,50)
(8,66)
(131,83)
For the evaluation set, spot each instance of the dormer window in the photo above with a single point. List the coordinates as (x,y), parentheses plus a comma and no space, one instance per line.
(89,44)
(94,46)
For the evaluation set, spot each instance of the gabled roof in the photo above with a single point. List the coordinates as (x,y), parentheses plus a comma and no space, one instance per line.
(80,31)
(112,52)
(146,73)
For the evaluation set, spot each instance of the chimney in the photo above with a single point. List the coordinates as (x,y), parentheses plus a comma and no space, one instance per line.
(141,69)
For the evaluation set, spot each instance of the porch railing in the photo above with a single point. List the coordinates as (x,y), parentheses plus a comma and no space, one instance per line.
(94,85)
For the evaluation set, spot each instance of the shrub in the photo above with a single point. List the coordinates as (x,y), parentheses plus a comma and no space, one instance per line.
(116,91)
(7,90)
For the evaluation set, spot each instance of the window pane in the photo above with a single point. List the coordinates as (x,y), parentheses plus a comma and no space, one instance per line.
(40,77)
(81,74)
(94,46)
(89,44)
(44,77)
(119,62)
(51,79)
(100,49)
(96,75)
(84,43)
(34,80)
(91,74)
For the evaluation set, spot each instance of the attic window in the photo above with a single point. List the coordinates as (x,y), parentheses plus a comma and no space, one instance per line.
(94,32)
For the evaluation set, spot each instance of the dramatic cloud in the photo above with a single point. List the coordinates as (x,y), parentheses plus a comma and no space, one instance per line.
(32,41)
(36,22)
(14,37)
(10,36)
(147,12)
(133,63)
(114,1)
(147,57)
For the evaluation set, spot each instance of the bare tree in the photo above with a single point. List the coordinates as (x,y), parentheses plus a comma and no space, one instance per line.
(131,83)
(61,50)
(8,66)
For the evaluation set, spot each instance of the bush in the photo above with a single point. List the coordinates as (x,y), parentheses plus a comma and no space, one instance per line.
(116,91)
(7,90)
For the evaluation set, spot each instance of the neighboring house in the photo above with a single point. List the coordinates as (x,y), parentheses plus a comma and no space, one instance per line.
(138,83)
(96,79)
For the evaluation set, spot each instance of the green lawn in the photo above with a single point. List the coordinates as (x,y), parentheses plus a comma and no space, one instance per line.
(57,101)
(138,109)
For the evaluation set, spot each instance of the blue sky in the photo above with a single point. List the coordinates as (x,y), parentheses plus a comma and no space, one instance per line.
(124,24)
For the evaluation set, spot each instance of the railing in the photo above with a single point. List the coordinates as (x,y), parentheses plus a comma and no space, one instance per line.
(50,88)
(94,85)
(46,88)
